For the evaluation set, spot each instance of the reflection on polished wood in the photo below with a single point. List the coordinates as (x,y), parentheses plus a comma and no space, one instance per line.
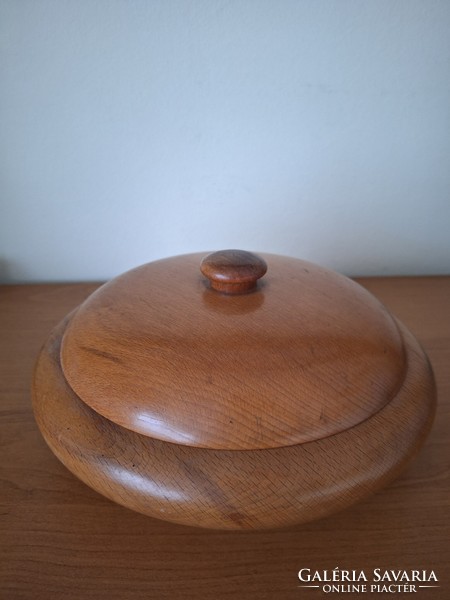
(307,355)
(231,489)
(59,539)
(297,407)
(233,271)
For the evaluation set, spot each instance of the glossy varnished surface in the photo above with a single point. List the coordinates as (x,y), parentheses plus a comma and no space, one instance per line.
(233,271)
(59,539)
(233,489)
(307,355)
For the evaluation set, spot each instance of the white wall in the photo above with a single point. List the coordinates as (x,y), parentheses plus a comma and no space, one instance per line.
(136,129)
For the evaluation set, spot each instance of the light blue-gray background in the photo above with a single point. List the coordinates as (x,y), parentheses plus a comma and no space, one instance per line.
(137,129)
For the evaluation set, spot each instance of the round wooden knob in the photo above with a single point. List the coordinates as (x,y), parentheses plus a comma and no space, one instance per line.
(233,271)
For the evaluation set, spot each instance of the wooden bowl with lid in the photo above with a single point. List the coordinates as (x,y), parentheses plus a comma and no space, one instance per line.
(220,398)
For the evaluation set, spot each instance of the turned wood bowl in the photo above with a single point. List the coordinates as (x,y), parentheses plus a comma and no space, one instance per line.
(228,398)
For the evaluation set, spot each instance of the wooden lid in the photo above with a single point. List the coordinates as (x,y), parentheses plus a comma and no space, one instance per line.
(299,355)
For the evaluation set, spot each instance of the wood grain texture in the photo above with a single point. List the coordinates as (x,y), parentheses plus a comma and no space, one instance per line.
(233,271)
(307,355)
(59,539)
(233,489)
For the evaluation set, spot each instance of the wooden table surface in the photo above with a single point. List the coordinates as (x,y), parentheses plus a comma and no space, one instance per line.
(61,540)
